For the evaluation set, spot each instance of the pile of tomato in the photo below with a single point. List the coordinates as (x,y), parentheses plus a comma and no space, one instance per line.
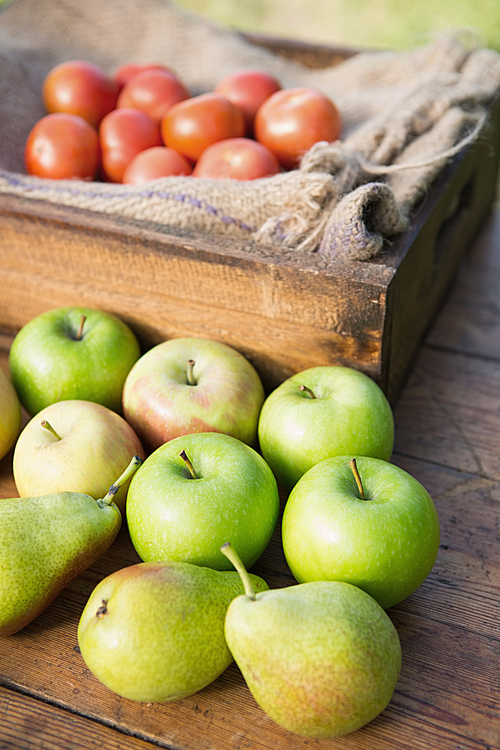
(142,123)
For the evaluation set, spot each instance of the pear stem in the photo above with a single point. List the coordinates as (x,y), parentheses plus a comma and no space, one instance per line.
(190,374)
(131,468)
(188,463)
(228,550)
(45,423)
(354,468)
(305,389)
(79,333)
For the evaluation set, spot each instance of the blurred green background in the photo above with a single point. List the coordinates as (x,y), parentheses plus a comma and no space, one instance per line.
(359,23)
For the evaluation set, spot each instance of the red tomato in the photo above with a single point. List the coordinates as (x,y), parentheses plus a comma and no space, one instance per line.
(194,124)
(128,71)
(80,88)
(153,92)
(123,134)
(238,159)
(153,163)
(63,147)
(293,120)
(248,90)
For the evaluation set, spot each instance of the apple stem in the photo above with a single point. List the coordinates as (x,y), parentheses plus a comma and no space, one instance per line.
(79,333)
(305,389)
(188,463)
(353,465)
(228,550)
(45,423)
(190,374)
(131,468)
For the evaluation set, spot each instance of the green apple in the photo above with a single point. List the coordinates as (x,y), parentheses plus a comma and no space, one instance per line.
(187,385)
(323,412)
(182,508)
(74,445)
(365,522)
(72,353)
(10,414)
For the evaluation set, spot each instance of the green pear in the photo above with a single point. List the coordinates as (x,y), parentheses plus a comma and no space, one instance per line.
(321,659)
(47,541)
(154,632)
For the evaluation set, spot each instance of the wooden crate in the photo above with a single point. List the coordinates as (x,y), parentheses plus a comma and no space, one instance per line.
(284,313)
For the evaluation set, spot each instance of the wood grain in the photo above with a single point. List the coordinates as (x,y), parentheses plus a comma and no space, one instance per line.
(43,726)
(277,314)
(448,413)
(470,320)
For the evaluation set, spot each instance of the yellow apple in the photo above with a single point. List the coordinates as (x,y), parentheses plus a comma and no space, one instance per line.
(74,445)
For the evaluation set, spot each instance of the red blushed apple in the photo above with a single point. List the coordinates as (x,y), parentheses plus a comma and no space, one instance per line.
(188,385)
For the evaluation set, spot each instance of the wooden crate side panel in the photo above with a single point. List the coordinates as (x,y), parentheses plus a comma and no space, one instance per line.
(283,318)
(305,53)
(441,235)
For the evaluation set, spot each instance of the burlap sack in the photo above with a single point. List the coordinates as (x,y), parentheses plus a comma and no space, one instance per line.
(416,107)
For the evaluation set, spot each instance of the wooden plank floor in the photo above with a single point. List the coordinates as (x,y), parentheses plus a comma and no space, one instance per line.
(448,695)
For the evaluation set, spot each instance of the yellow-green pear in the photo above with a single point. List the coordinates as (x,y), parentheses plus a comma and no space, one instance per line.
(154,632)
(47,541)
(321,659)
(10,414)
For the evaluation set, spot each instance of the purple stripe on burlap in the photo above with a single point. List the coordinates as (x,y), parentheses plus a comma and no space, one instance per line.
(14,181)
